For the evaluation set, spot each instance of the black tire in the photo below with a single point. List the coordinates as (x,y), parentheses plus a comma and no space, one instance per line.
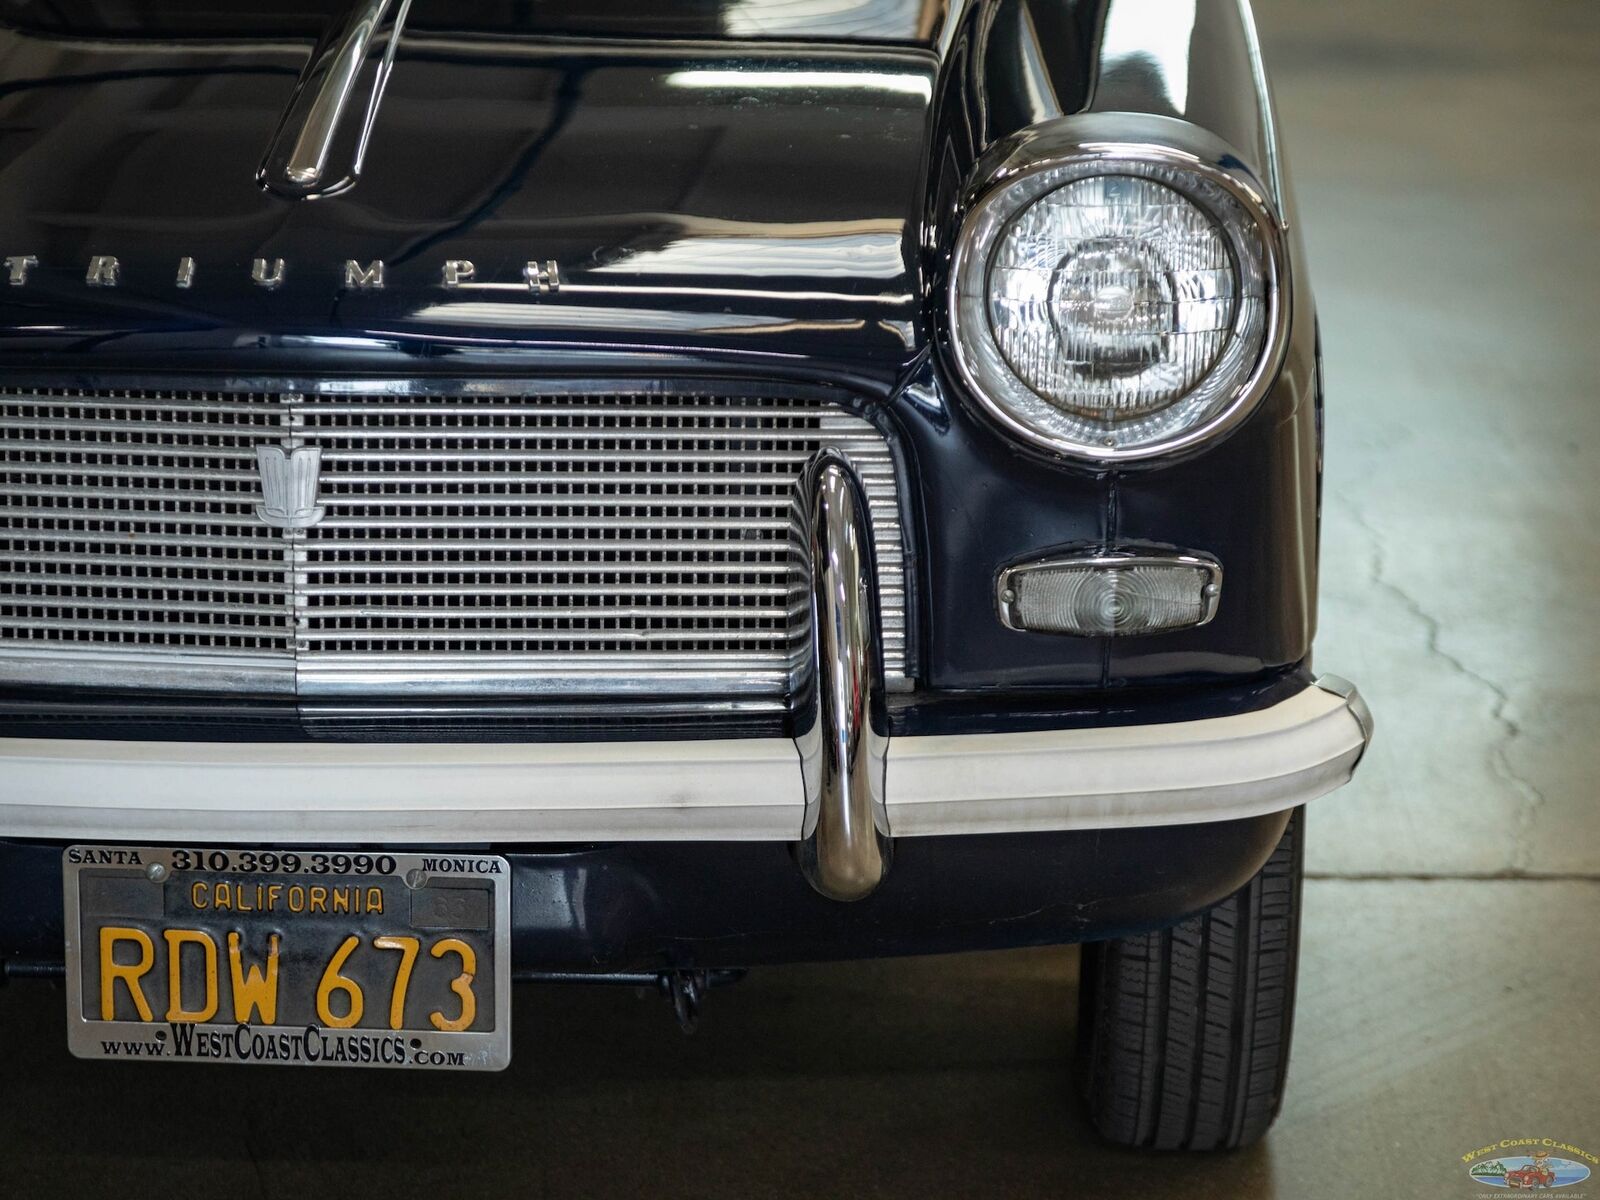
(1183,1034)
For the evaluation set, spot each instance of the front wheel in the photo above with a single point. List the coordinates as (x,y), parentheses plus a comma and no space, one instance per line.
(1183,1034)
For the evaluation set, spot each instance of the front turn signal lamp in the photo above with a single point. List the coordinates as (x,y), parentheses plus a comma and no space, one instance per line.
(1118,288)
(1110,594)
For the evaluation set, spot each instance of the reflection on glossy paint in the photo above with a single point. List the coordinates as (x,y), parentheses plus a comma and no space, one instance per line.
(511,314)
(908,84)
(873,255)
(832,18)
(904,330)
(626,292)
(1033,75)
(1151,37)
(331,342)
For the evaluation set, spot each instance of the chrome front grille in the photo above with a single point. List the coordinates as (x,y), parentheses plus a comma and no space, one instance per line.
(577,544)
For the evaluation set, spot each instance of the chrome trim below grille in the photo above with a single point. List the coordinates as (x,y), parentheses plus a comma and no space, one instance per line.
(571,543)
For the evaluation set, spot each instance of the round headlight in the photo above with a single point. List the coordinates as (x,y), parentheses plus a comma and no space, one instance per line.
(1117,308)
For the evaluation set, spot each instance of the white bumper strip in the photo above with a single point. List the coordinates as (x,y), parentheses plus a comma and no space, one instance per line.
(748,790)
(583,791)
(1211,770)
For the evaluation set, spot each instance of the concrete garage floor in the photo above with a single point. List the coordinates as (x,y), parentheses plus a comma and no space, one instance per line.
(1445,155)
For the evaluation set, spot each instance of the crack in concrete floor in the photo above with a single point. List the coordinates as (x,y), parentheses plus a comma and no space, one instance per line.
(1499,698)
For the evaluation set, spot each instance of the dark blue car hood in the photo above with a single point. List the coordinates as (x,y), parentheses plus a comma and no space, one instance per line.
(748,197)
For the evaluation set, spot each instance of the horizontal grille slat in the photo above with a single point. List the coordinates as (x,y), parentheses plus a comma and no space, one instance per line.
(466,542)
(141,450)
(600,591)
(628,461)
(62,468)
(121,537)
(578,636)
(88,580)
(135,556)
(569,570)
(459,615)
(538,438)
(353,482)
(116,497)
(133,629)
(158,606)
(601,525)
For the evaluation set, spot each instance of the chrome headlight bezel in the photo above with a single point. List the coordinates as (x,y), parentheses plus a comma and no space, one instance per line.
(1185,158)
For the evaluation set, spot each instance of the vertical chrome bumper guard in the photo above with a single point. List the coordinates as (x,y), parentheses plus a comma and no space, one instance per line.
(843,725)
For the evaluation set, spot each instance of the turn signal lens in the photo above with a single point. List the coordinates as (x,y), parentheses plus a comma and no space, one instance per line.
(1110,595)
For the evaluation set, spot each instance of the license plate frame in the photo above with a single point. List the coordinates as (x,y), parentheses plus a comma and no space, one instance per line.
(449,881)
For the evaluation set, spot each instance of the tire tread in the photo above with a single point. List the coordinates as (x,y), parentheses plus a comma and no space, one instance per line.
(1184,1033)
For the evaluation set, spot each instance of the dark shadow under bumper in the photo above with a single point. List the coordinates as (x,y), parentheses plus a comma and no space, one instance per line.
(654,906)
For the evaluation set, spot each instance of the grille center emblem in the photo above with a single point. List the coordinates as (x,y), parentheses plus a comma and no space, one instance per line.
(289,479)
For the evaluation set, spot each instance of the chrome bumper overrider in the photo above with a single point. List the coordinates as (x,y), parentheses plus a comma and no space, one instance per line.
(839,789)
(844,838)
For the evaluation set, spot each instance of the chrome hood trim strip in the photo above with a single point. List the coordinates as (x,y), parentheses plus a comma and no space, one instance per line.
(318,149)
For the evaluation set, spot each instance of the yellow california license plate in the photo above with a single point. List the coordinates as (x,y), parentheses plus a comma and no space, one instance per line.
(289,957)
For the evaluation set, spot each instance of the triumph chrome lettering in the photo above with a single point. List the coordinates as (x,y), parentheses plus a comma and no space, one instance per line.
(268,275)
(367,278)
(104,271)
(542,276)
(17,268)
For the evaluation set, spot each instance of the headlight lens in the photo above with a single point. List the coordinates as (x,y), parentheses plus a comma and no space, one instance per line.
(1114,310)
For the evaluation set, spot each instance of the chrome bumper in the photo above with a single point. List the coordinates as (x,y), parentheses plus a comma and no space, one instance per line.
(839,789)
(738,790)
